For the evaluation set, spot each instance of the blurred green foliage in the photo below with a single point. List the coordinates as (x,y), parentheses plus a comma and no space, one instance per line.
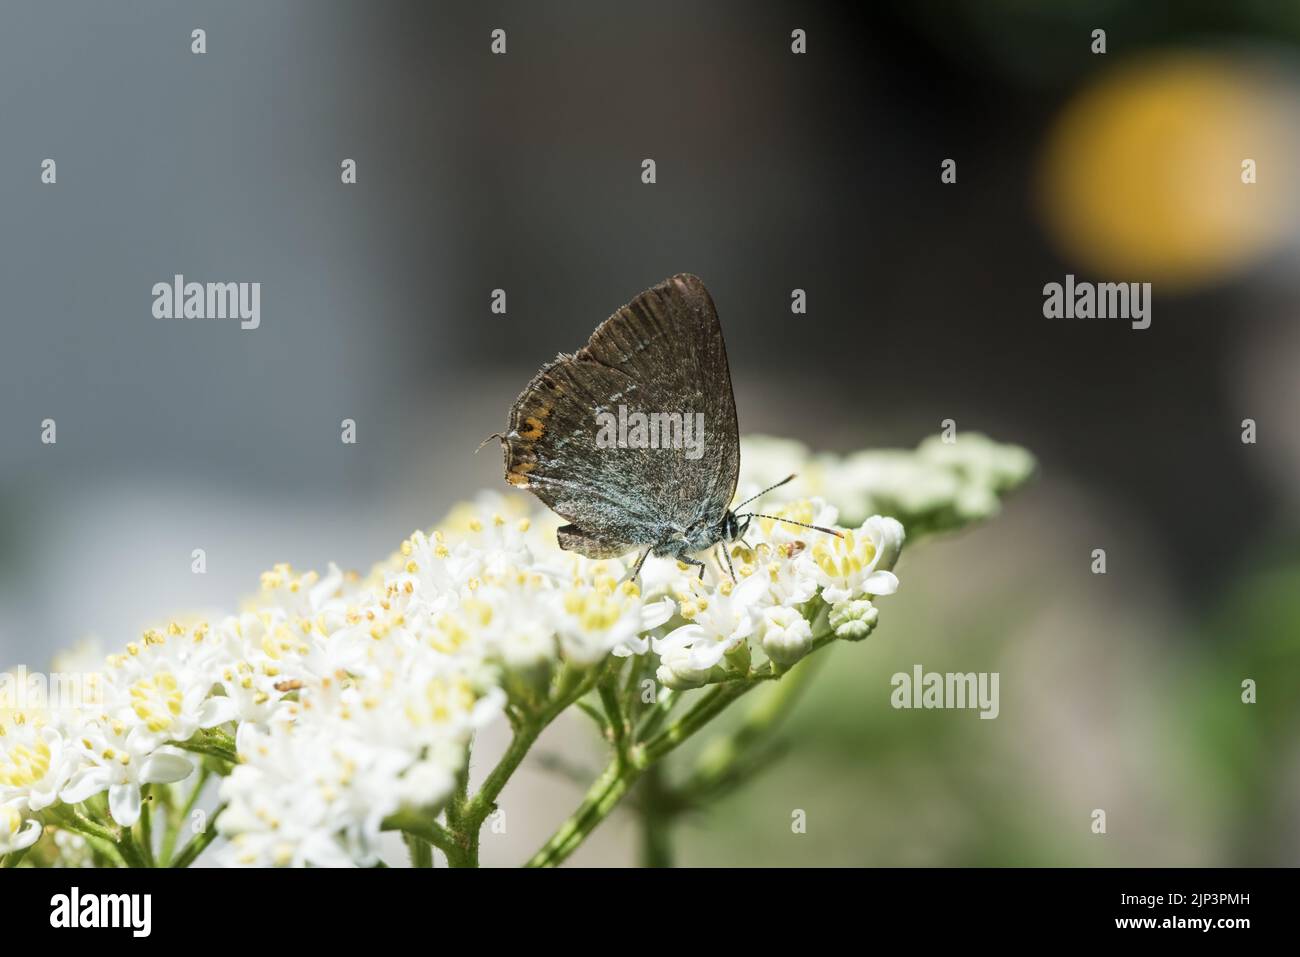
(1213,780)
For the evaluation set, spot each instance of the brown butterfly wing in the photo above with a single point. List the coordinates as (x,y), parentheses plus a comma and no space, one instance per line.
(663,352)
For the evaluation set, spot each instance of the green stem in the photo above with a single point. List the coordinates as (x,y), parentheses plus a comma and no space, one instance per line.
(631,693)
(414,824)
(604,794)
(199,842)
(130,850)
(714,703)
(656,819)
(214,743)
(71,819)
(657,714)
(421,851)
(462,847)
(618,729)
(463,852)
(725,762)
(103,839)
(145,843)
(182,815)
(166,796)
(724,756)
(484,801)
(212,750)
(15,858)
(621,773)
(465,815)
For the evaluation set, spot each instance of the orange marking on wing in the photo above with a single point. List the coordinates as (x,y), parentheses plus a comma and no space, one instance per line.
(532,430)
(518,475)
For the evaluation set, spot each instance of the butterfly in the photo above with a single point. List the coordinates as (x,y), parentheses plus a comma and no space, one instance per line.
(655,487)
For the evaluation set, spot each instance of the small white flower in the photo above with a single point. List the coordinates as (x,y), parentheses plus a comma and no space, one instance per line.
(250,693)
(527,645)
(859,564)
(162,683)
(591,621)
(653,615)
(307,595)
(284,802)
(35,761)
(677,671)
(716,623)
(791,580)
(18,831)
(119,759)
(786,635)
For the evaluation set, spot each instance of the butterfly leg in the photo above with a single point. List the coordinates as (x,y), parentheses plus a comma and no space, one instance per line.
(636,569)
(727,556)
(682,556)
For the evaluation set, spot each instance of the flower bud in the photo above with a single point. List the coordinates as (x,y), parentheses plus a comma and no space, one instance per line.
(887,537)
(853,620)
(786,635)
(677,672)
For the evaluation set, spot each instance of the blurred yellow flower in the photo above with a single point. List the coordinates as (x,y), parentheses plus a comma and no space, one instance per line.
(1141,177)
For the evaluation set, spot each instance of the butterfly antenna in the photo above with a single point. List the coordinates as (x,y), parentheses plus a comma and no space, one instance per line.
(785,481)
(494,435)
(790,521)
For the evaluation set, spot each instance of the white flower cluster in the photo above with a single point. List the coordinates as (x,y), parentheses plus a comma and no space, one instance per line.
(348,700)
(946,482)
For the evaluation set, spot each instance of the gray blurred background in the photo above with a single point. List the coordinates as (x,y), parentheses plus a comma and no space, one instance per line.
(775,172)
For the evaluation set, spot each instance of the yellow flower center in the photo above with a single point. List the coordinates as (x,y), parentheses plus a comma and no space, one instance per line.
(157,700)
(443,699)
(449,634)
(594,610)
(23,765)
(281,642)
(845,557)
